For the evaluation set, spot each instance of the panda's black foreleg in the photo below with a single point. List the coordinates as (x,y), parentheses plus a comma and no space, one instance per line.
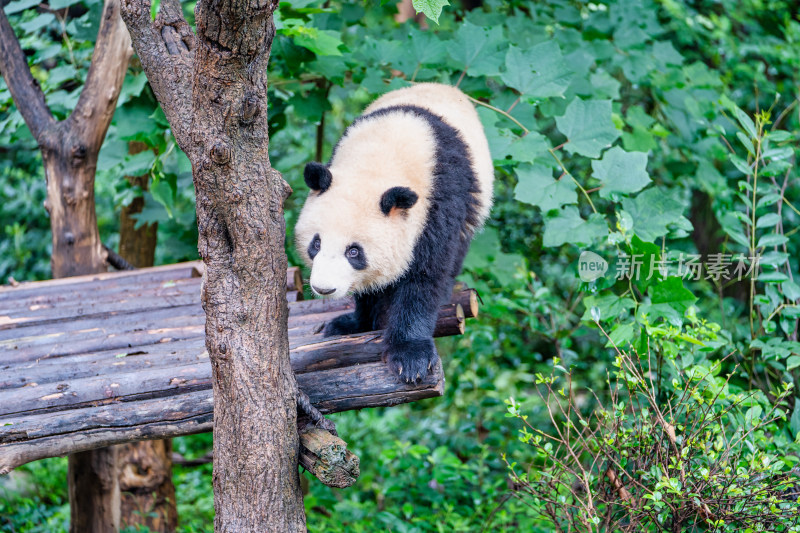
(411,319)
(359,321)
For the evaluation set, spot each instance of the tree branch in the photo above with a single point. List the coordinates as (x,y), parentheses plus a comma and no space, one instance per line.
(166,50)
(24,89)
(112,50)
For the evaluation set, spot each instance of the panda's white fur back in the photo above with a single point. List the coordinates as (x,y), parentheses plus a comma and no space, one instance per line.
(455,108)
(375,154)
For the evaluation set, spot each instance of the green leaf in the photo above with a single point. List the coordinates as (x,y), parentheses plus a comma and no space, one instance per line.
(652,211)
(772,239)
(669,299)
(61,4)
(609,306)
(536,186)
(793,362)
(431,8)
(588,126)
(621,171)
(567,226)
(38,22)
(321,42)
(138,164)
(20,5)
(539,72)
(791,290)
(477,50)
(770,220)
(620,335)
(794,423)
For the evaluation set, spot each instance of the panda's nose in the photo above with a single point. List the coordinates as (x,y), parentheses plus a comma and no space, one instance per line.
(323,292)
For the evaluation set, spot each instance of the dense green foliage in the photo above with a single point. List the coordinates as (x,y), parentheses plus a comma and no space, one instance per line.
(647,132)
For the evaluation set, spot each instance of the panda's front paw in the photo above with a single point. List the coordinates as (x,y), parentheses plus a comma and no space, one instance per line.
(411,360)
(342,325)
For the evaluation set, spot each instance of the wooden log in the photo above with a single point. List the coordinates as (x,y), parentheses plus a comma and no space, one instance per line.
(468,299)
(126,333)
(326,456)
(294,279)
(94,282)
(450,321)
(294,296)
(29,437)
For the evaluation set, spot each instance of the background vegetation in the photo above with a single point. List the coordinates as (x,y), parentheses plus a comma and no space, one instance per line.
(683,387)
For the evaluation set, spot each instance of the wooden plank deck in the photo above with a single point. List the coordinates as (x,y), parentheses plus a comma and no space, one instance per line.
(97,360)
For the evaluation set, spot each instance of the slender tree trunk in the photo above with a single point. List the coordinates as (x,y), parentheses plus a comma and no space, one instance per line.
(137,246)
(213,90)
(69,151)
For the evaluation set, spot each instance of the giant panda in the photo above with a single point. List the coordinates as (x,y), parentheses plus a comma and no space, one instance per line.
(390,217)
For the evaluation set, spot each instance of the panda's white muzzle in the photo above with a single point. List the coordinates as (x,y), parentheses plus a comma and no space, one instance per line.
(331,276)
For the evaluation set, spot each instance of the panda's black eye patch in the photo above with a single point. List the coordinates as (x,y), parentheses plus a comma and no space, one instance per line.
(355,255)
(314,246)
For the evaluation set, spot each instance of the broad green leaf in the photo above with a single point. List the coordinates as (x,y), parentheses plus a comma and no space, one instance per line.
(621,171)
(620,335)
(608,305)
(588,126)
(431,8)
(536,186)
(539,72)
(791,290)
(38,22)
(567,226)
(138,164)
(794,423)
(652,211)
(427,48)
(669,299)
(793,362)
(477,50)
(61,4)
(20,5)
(321,42)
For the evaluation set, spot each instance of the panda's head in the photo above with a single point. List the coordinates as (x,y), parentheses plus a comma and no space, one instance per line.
(356,234)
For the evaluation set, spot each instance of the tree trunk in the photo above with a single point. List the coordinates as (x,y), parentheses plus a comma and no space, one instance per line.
(137,246)
(69,152)
(213,90)
(242,234)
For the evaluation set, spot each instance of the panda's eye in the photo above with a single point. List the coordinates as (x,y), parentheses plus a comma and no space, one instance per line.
(352,252)
(317,244)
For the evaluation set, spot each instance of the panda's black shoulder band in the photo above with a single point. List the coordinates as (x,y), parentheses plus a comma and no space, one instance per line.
(399,197)
(317,176)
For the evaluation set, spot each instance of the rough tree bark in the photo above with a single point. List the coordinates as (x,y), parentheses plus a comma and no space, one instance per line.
(69,152)
(213,90)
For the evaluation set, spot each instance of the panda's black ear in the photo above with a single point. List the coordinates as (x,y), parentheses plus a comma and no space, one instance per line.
(398,197)
(318,177)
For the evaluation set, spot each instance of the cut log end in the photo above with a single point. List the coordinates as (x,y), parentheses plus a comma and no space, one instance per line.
(326,456)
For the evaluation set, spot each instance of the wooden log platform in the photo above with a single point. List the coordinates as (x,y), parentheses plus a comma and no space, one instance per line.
(92,361)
